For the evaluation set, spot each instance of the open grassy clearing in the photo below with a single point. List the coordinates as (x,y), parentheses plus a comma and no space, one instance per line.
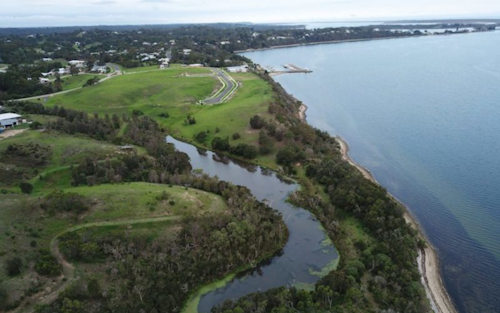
(22,222)
(139,200)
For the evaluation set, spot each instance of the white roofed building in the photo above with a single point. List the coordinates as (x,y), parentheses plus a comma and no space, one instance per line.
(10,119)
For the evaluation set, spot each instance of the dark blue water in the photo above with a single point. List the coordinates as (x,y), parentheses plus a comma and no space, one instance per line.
(423,115)
(307,251)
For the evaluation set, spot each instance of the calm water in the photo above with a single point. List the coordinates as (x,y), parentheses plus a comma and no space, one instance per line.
(304,255)
(423,114)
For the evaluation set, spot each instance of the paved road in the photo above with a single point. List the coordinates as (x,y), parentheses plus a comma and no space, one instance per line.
(228,88)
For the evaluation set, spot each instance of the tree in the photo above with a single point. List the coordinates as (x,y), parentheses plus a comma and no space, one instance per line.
(14,266)
(289,155)
(73,71)
(201,137)
(257,122)
(94,288)
(220,144)
(26,188)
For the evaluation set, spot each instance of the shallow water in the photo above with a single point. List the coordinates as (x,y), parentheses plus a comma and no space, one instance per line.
(307,250)
(423,115)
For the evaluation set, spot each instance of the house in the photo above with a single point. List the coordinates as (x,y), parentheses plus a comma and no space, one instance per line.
(10,120)
(44,81)
(238,69)
(63,71)
(186,51)
(76,62)
(99,69)
(47,59)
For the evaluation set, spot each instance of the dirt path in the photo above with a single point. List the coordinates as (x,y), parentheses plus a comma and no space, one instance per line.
(11,133)
(428,261)
(68,276)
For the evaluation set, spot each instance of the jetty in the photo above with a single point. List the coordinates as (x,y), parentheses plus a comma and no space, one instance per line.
(289,69)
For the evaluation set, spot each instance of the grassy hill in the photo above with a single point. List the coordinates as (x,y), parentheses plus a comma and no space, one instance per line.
(176,92)
(26,227)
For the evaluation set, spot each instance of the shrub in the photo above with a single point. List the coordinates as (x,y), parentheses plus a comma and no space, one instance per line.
(58,201)
(26,188)
(221,144)
(289,155)
(244,150)
(201,137)
(36,125)
(47,264)
(257,122)
(13,266)
(236,136)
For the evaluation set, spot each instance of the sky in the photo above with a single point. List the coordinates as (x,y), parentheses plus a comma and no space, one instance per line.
(30,13)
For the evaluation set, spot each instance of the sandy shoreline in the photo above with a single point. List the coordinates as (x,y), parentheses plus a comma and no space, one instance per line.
(428,260)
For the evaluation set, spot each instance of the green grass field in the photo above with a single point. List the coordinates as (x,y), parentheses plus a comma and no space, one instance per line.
(150,92)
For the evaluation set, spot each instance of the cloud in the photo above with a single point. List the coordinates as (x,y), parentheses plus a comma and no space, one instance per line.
(104,2)
(28,13)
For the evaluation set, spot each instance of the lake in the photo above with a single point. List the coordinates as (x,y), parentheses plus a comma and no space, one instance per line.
(423,115)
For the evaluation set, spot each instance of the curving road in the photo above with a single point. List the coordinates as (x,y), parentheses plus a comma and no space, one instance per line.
(229,86)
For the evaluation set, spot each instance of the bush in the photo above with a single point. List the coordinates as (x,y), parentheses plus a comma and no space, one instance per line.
(26,188)
(244,150)
(137,113)
(36,125)
(220,144)
(201,137)
(58,201)
(257,122)
(236,136)
(289,155)
(13,266)
(47,264)
(164,115)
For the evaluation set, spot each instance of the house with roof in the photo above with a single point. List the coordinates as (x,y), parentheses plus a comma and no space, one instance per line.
(9,120)
(76,62)
(101,69)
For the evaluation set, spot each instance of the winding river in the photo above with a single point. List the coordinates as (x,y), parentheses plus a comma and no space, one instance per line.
(308,254)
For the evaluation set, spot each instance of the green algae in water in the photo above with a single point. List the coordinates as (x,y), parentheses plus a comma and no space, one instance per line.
(193,302)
